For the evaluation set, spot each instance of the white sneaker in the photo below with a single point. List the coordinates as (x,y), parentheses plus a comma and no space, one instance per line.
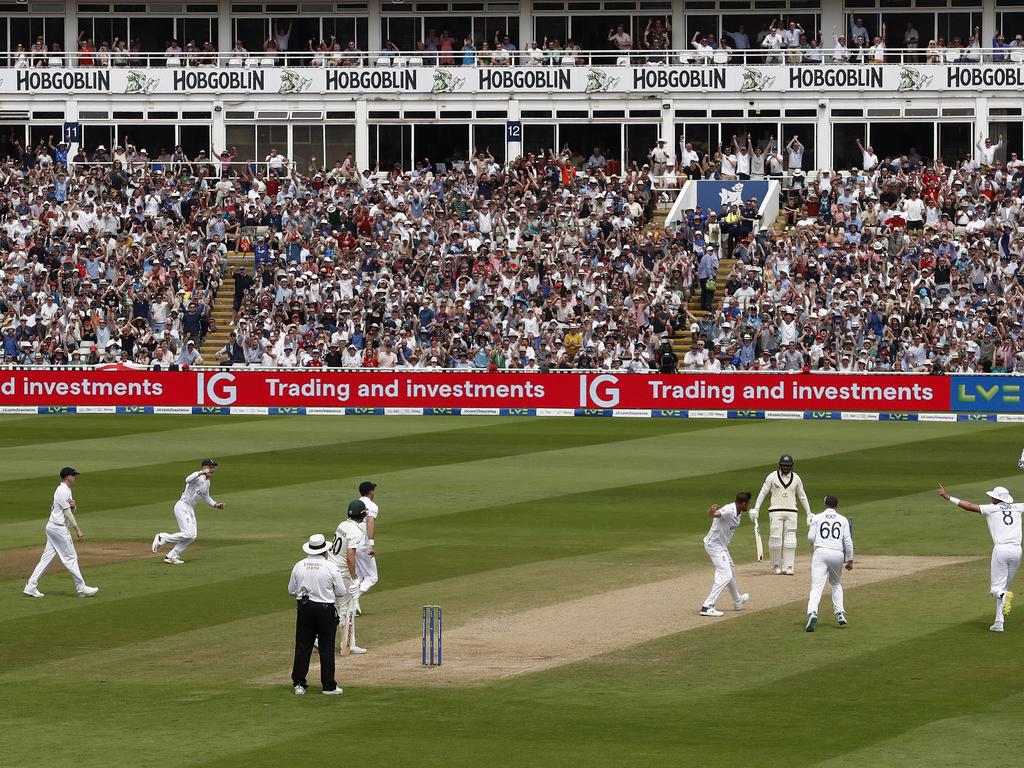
(174,560)
(789,571)
(738,604)
(841,618)
(710,610)
(777,570)
(157,543)
(88,591)
(355,649)
(300,691)
(997,627)
(335,692)
(32,591)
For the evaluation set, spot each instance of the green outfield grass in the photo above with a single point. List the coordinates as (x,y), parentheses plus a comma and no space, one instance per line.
(168,665)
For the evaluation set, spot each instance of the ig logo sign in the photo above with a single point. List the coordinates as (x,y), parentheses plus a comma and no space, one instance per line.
(218,389)
(599,391)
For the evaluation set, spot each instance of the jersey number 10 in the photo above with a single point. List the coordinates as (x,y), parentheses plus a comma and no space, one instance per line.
(833,531)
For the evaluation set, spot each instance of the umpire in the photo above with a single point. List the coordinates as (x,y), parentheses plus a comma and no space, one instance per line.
(316,584)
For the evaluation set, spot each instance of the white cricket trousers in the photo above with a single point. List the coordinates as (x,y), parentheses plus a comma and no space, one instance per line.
(725,575)
(58,544)
(826,564)
(187,533)
(366,570)
(1005,562)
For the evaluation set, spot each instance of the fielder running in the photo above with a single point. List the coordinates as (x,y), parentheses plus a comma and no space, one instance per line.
(197,486)
(1003,518)
(348,538)
(366,556)
(785,487)
(724,522)
(830,537)
(58,539)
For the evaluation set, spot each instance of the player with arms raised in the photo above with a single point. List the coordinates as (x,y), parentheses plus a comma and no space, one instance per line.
(829,534)
(1003,518)
(197,487)
(784,487)
(724,522)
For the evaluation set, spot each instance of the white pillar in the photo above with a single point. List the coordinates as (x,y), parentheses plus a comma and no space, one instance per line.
(988,22)
(678,24)
(525,23)
(668,115)
(218,130)
(70,116)
(362,136)
(513,149)
(71,27)
(980,122)
(225,34)
(831,15)
(822,139)
(374,34)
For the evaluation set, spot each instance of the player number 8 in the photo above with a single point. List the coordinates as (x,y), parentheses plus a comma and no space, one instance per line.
(1007,518)
(833,531)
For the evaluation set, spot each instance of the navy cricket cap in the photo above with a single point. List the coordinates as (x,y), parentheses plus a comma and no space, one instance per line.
(209,463)
(68,471)
(365,487)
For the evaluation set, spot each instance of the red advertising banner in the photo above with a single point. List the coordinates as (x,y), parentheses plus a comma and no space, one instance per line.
(322,388)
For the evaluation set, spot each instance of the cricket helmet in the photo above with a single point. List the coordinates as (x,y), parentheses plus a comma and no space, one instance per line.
(785,460)
(357,510)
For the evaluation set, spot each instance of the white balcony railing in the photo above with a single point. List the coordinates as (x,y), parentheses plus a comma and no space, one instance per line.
(555,57)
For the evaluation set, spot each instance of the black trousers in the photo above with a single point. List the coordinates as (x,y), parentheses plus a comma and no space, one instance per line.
(315,621)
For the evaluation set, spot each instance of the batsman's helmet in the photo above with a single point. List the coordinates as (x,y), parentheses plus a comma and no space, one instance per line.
(785,460)
(357,510)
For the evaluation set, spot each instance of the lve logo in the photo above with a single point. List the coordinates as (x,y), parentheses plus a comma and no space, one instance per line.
(987,393)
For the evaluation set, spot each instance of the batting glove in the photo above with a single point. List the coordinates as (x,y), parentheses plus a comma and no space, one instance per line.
(753,515)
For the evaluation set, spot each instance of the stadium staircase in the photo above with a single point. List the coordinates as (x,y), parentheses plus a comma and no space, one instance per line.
(682,339)
(221,310)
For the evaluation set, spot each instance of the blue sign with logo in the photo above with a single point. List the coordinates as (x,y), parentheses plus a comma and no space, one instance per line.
(987,394)
(712,195)
(513,130)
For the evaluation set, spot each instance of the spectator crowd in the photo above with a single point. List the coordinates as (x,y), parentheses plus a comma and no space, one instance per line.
(536,264)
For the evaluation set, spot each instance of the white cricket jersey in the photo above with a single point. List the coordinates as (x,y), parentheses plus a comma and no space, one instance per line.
(1003,522)
(371,511)
(349,535)
(62,501)
(830,530)
(783,493)
(723,527)
(197,486)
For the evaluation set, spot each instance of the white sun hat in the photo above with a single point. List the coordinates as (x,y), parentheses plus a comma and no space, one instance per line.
(1000,494)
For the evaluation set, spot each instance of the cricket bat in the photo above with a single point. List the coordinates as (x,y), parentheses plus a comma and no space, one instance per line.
(346,633)
(757,541)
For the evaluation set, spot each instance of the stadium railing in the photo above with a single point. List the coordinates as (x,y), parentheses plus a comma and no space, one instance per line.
(538,57)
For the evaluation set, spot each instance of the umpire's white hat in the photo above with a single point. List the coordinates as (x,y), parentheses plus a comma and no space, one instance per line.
(316,545)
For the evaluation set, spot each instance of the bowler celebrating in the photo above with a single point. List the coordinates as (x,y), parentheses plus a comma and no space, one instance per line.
(58,539)
(785,487)
(829,534)
(1003,518)
(724,522)
(197,486)
(366,556)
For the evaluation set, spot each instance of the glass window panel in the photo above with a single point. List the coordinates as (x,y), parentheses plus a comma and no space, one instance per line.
(252,32)
(95,135)
(537,139)
(341,140)
(550,28)
(805,132)
(893,140)
(194,138)
(271,137)
(845,152)
(195,31)
(243,139)
(1010,134)
(640,140)
(308,148)
(955,141)
(152,33)
(490,138)
(583,138)
(403,32)
(448,144)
